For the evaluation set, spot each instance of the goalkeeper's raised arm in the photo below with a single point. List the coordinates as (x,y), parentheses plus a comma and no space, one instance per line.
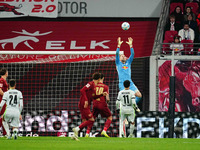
(123,65)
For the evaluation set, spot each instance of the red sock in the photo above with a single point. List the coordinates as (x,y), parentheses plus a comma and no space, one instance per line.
(107,124)
(89,127)
(84,124)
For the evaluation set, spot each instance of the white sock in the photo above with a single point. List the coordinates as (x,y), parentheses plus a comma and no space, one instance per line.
(77,128)
(132,128)
(121,128)
(6,127)
(15,131)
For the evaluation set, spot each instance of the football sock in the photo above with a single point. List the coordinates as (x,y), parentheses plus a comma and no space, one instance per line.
(107,124)
(6,127)
(15,131)
(89,127)
(132,128)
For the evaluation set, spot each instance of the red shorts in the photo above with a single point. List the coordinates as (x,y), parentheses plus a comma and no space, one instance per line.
(86,113)
(101,108)
(3,110)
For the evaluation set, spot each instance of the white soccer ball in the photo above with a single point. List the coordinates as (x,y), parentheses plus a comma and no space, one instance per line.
(125,25)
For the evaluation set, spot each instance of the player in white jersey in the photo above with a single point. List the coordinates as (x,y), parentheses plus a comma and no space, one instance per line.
(14,101)
(126,101)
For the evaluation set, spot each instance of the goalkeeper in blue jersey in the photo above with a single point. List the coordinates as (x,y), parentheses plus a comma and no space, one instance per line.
(123,65)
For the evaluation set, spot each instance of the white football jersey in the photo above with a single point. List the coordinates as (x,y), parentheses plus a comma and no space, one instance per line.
(127,100)
(13,99)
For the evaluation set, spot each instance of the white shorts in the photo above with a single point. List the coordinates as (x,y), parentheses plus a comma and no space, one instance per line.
(12,116)
(130,117)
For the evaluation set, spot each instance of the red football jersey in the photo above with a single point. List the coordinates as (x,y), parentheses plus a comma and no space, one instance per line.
(86,94)
(99,90)
(3,86)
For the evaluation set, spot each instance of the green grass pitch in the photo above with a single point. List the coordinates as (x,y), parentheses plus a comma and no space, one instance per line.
(98,143)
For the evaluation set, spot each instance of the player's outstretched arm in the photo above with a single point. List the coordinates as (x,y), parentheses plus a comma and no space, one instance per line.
(119,42)
(130,43)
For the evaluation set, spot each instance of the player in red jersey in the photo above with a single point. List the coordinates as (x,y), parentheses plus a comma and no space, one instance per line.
(3,88)
(84,106)
(100,105)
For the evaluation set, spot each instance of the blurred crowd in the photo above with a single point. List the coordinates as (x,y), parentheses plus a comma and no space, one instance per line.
(182,30)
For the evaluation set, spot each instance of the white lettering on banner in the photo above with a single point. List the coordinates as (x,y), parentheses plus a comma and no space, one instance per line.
(141,129)
(49,124)
(58,45)
(26,37)
(54,45)
(94,44)
(70,134)
(157,125)
(32,135)
(185,125)
(72,7)
(73,46)
(29,121)
(162,129)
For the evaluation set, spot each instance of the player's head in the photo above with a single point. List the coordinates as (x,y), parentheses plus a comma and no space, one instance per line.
(122,58)
(127,84)
(101,77)
(4,72)
(12,83)
(96,76)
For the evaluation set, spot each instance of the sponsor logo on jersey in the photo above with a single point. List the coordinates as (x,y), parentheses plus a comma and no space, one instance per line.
(125,67)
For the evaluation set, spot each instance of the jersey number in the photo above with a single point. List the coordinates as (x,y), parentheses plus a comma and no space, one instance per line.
(126,100)
(99,90)
(13,99)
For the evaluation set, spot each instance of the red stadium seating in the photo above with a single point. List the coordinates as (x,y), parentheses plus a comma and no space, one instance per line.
(166,47)
(169,35)
(194,6)
(174,5)
(188,48)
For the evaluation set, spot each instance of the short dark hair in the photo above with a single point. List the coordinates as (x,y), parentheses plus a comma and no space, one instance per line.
(127,83)
(96,76)
(186,23)
(12,82)
(172,16)
(101,75)
(3,71)
(177,37)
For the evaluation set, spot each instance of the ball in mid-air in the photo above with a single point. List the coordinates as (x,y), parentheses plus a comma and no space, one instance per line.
(125,25)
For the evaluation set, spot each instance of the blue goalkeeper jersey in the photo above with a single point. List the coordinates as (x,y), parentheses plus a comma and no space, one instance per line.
(124,70)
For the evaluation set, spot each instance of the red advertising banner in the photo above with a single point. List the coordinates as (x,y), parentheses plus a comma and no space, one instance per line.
(70,36)
(187,86)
